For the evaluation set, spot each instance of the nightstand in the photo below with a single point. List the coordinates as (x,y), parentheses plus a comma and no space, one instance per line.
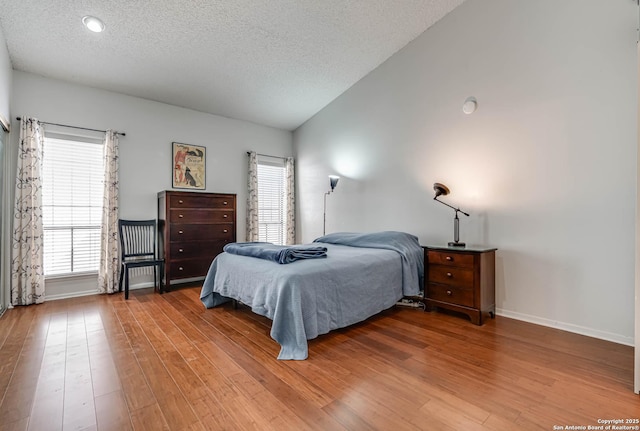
(461,279)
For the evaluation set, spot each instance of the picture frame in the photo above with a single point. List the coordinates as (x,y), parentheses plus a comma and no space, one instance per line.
(189,166)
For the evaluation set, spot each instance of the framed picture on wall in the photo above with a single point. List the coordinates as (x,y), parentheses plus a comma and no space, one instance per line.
(189,166)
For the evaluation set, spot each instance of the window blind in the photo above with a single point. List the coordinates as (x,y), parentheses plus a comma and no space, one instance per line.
(72,191)
(271,200)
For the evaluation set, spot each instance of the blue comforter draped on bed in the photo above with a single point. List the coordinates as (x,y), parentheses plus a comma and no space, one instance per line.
(277,253)
(314,296)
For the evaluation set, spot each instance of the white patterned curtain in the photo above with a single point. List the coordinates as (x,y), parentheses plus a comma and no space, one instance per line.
(109,255)
(27,269)
(291,202)
(252,199)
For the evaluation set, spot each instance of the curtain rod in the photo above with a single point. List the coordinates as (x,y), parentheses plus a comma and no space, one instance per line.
(76,127)
(267,155)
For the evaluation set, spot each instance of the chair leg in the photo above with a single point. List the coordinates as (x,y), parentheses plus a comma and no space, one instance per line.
(160,278)
(155,267)
(121,275)
(126,284)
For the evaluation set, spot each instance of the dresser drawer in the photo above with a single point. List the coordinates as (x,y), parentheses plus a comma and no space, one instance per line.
(450,294)
(201,215)
(450,258)
(190,267)
(203,201)
(201,232)
(196,249)
(451,275)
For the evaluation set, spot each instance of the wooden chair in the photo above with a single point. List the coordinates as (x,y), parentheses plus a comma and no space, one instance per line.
(138,249)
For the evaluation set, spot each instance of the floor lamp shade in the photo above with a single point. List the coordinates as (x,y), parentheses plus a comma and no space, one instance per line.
(333,181)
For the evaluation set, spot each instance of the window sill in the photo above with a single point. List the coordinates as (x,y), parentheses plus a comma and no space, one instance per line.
(71,276)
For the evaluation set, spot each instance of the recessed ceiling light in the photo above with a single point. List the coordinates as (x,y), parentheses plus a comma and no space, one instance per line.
(92,23)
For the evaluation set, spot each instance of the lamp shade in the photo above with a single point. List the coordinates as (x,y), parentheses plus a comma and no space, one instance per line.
(333,181)
(440,189)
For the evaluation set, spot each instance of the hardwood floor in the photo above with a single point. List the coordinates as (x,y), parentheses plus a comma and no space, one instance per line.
(165,362)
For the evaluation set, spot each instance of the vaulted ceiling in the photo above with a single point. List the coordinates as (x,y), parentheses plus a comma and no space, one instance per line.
(272,62)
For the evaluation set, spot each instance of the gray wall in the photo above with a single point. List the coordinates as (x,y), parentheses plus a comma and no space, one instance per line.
(546,166)
(5,78)
(145,151)
(5,101)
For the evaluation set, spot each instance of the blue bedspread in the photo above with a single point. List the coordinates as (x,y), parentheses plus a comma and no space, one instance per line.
(315,296)
(277,253)
(405,244)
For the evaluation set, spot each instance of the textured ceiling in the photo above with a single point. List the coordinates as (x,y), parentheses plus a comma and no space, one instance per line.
(272,62)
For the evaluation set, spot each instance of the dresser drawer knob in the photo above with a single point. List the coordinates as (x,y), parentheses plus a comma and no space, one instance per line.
(448,291)
(181,269)
(225,216)
(180,216)
(449,258)
(180,232)
(224,203)
(225,231)
(180,201)
(180,250)
(449,275)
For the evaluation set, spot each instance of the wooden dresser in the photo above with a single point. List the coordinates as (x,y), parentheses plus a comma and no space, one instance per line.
(193,228)
(461,279)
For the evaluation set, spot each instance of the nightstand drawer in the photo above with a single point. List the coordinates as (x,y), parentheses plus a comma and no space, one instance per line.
(451,275)
(450,294)
(450,258)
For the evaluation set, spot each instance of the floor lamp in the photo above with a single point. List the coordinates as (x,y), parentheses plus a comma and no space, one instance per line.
(333,182)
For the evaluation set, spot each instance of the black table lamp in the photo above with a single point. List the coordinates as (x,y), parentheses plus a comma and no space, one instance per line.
(442,190)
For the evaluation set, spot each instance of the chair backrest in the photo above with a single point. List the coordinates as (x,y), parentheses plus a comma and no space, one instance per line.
(137,239)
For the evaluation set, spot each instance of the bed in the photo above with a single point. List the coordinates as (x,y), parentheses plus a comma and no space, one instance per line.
(361,275)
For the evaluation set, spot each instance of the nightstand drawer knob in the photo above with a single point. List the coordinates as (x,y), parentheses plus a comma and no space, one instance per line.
(449,292)
(180,232)
(180,250)
(180,216)
(449,274)
(181,269)
(180,201)
(224,203)
(449,258)
(225,231)
(225,216)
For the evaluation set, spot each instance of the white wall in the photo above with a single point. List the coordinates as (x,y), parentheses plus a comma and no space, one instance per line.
(546,166)
(5,99)
(145,151)
(5,78)
(636,374)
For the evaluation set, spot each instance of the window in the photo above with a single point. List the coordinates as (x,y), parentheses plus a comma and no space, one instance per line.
(72,190)
(272,200)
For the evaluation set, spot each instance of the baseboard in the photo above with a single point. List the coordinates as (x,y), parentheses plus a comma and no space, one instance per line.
(590,332)
(93,292)
(70,295)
